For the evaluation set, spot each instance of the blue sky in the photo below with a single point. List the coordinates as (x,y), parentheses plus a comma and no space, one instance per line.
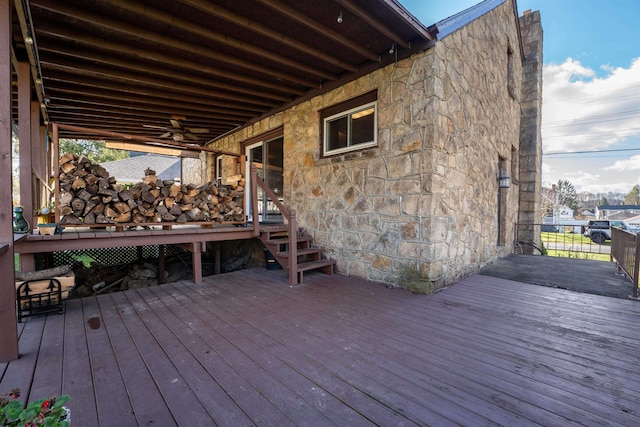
(591,87)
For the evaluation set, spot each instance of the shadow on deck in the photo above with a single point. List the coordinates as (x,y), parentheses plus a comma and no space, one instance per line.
(244,348)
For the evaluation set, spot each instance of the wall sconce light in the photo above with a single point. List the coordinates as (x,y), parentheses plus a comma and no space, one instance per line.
(339,20)
(28,40)
(504,180)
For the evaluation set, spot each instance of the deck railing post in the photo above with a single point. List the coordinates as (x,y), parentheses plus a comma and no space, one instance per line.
(293,248)
(8,318)
(636,268)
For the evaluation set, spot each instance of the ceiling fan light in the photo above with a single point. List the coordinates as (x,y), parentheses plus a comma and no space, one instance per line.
(178,137)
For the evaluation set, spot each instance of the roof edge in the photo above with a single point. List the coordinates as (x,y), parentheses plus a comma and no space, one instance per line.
(459,20)
(400,11)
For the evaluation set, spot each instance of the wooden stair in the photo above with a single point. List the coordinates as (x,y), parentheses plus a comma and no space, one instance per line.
(307,257)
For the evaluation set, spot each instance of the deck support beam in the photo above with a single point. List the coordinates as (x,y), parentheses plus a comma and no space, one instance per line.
(8,315)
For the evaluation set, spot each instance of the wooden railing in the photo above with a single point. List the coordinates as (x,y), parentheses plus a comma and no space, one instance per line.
(625,249)
(288,214)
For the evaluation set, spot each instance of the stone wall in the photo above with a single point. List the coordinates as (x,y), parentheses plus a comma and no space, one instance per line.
(420,210)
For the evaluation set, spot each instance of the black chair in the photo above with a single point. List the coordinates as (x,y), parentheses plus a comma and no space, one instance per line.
(45,299)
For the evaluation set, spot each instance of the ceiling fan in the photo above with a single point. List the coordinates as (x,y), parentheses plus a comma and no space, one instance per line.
(177,131)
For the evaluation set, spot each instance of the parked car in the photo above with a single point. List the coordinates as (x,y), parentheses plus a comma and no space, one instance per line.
(599,231)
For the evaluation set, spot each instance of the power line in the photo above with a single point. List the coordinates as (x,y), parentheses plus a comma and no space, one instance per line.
(588,119)
(595,134)
(590,151)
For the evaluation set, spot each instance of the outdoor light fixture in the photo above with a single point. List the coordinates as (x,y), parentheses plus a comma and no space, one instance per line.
(504,180)
(339,20)
(28,40)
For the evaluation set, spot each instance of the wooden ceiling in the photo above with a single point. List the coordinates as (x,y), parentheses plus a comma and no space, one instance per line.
(131,66)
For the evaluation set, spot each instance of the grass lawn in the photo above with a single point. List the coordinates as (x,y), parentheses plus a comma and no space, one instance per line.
(579,255)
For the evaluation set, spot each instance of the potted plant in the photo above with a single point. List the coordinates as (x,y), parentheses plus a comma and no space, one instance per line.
(43,412)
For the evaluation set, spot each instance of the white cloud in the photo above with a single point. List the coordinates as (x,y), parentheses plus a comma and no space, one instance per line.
(584,112)
(631,164)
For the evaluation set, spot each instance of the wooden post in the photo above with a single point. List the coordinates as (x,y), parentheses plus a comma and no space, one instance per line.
(216,249)
(8,315)
(636,268)
(27,261)
(56,170)
(196,257)
(37,153)
(24,136)
(161,264)
(293,249)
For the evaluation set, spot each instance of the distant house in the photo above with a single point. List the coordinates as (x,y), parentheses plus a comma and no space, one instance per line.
(563,213)
(617,212)
(131,170)
(633,223)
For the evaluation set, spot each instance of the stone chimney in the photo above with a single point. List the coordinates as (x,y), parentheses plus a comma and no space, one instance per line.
(530,124)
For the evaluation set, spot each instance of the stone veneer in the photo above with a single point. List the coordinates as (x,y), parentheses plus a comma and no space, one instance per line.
(421,209)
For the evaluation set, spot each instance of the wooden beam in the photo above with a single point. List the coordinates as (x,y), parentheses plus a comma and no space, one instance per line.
(68,61)
(67,107)
(199,96)
(292,13)
(149,102)
(156,76)
(251,25)
(218,38)
(8,315)
(369,19)
(99,132)
(133,30)
(144,148)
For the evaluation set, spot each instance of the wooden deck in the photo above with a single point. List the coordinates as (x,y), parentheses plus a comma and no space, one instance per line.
(246,349)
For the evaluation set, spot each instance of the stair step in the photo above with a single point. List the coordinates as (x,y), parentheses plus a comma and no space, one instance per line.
(312,265)
(286,240)
(305,251)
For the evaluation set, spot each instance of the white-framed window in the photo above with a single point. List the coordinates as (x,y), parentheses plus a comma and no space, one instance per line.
(351,125)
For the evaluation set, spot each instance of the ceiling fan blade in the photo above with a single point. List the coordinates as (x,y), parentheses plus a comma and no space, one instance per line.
(165,135)
(198,130)
(175,123)
(155,127)
(191,136)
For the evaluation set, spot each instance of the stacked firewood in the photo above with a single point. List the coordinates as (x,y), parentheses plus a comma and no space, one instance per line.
(90,196)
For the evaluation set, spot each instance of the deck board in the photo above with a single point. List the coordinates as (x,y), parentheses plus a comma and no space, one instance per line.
(109,388)
(77,380)
(145,398)
(244,348)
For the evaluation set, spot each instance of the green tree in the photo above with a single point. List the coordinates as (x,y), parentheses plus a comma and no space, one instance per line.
(96,151)
(633,197)
(603,201)
(566,194)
